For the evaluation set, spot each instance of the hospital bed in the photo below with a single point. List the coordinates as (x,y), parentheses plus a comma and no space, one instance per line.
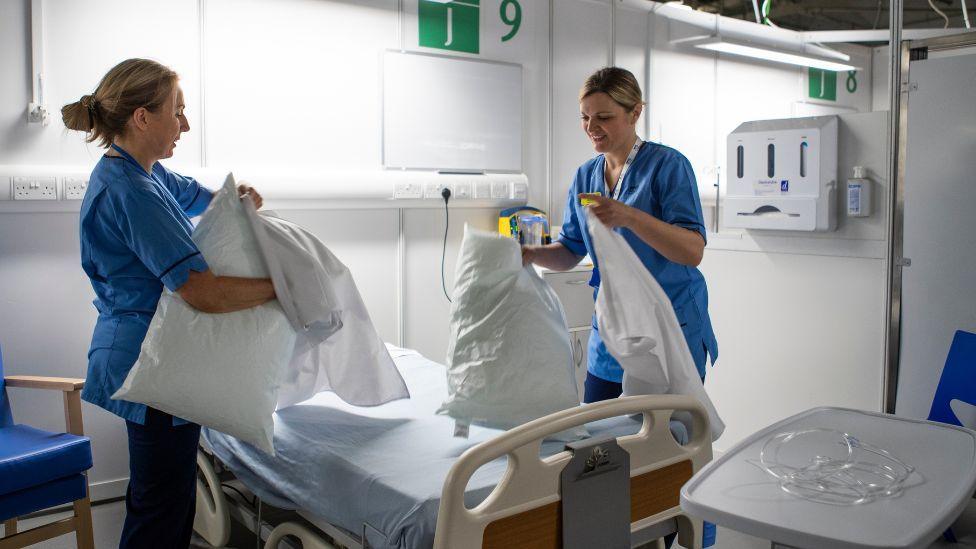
(395,475)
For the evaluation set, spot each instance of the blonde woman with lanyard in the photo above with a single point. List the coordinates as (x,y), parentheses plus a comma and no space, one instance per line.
(647,192)
(135,239)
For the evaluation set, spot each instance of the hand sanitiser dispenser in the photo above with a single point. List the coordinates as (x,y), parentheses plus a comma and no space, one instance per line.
(782,175)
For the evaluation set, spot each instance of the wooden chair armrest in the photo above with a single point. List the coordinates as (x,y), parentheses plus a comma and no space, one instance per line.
(66,384)
(72,396)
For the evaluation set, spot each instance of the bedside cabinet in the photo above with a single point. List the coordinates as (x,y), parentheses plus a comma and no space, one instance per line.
(576,295)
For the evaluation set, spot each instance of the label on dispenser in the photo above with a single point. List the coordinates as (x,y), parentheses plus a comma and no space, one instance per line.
(765,186)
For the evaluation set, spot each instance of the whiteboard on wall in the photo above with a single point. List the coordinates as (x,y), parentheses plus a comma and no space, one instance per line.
(450,113)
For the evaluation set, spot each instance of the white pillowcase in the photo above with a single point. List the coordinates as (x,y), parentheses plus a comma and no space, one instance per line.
(638,325)
(217,370)
(509,358)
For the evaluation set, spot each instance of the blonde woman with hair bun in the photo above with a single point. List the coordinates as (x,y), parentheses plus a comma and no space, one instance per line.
(135,239)
(647,192)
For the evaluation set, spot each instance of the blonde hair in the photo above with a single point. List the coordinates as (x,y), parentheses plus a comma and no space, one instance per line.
(131,84)
(619,84)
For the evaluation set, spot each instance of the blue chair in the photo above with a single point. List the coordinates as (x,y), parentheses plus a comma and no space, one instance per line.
(955,399)
(40,470)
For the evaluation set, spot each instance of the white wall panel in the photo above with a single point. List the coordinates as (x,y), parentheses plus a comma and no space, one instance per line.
(580,46)
(794,332)
(295,82)
(683,99)
(630,45)
(82,41)
(880,61)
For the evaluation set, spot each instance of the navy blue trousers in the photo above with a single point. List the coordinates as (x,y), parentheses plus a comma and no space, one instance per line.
(161,499)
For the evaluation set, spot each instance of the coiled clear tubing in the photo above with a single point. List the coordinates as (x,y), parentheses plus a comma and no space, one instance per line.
(829,466)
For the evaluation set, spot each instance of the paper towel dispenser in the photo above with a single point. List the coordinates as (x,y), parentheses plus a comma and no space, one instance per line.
(782,175)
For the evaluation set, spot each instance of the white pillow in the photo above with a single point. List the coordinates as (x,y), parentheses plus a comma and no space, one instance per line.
(218,370)
(509,359)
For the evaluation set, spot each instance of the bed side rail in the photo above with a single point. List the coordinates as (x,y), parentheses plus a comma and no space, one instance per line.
(529,490)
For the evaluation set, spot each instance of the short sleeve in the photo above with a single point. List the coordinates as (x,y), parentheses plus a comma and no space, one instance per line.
(571,235)
(158,236)
(190,194)
(680,204)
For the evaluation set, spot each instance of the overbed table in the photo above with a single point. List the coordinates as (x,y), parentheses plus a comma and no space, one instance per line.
(737,494)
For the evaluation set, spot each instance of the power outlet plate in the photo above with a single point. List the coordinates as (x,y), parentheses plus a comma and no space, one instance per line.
(408,190)
(500,190)
(462,191)
(35,188)
(434,190)
(482,190)
(74,188)
(520,191)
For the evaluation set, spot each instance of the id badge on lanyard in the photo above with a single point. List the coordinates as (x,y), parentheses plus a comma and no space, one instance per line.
(615,194)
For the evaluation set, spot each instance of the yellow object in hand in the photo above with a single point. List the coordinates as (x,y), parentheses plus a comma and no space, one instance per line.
(587,201)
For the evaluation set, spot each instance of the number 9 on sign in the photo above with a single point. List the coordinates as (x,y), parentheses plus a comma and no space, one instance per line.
(514,21)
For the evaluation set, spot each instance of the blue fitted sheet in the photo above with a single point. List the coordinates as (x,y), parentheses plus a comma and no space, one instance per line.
(378,469)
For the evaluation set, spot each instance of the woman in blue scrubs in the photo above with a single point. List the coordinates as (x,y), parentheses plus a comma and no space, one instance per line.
(135,239)
(647,192)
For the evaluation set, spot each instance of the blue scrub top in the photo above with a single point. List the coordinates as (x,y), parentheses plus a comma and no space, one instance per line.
(660,182)
(135,238)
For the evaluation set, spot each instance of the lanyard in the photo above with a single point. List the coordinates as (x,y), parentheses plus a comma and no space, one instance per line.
(128,157)
(615,194)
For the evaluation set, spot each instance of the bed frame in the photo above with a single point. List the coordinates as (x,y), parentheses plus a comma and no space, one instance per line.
(524,509)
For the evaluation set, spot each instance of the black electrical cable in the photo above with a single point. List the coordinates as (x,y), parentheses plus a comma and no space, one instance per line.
(252,502)
(446,193)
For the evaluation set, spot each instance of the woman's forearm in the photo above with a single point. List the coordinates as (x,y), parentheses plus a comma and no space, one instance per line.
(677,244)
(225,294)
(236,294)
(555,257)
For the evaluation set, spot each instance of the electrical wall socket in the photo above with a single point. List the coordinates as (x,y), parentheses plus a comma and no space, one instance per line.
(482,190)
(35,188)
(74,188)
(462,191)
(520,191)
(408,190)
(434,190)
(500,190)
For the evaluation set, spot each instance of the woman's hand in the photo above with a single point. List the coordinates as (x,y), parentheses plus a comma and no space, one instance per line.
(610,212)
(245,189)
(674,242)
